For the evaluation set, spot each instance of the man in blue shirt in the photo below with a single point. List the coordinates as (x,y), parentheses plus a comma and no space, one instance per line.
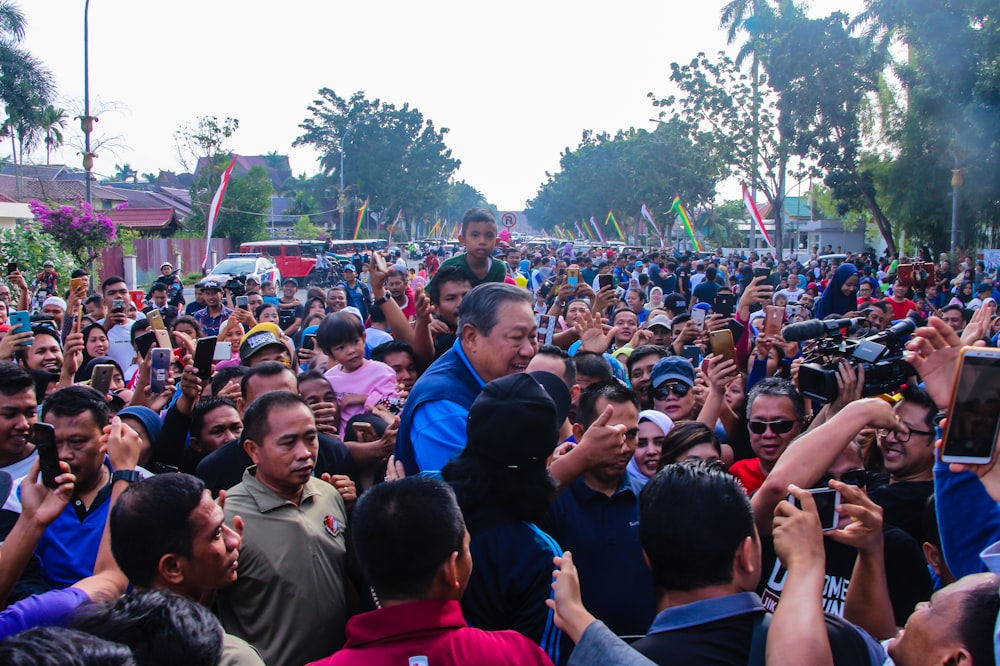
(215,313)
(597,518)
(497,336)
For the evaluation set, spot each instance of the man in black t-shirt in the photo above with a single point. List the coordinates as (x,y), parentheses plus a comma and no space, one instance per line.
(290,310)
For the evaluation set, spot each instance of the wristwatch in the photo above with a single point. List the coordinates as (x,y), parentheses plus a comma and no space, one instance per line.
(383,300)
(127,475)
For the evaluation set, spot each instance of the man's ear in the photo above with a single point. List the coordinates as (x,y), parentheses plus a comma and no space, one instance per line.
(577,431)
(169,568)
(250,447)
(469,334)
(745,562)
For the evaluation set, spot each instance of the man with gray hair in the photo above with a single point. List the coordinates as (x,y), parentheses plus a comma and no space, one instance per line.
(497,336)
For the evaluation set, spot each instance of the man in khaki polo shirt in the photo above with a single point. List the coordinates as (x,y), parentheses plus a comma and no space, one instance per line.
(288,601)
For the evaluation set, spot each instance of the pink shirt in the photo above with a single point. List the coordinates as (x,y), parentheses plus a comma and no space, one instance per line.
(374,379)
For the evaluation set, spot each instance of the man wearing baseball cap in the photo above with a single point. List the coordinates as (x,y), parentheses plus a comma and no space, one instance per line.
(290,309)
(175,290)
(212,316)
(357,291)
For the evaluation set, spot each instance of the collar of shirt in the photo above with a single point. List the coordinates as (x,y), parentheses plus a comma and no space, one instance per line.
(705,611)
(465,359)
(585,493)
(268,500)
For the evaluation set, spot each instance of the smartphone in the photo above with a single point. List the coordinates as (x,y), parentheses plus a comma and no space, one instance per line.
(904,275)
(722,343)
(698,317)
(159,369)
(11,267)
(75,284)
(379,262)
(78,323)
(827,500)
(21,320)
(155,320)
(145,342)
(203,355)
(931,274)
(725,304)
(43,436)
(162,338)
(974,416)
(118,305)
(736,328)
(764,272)
(605,280)
(309,341)
(791,311)
(692,353)
(572,277)
(273,300)
(100,380)
(546,328)
(773,319)
(242,302)
(223,351)
(365,432)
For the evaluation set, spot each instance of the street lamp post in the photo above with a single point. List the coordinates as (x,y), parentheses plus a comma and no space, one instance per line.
(86,120)
(957,180)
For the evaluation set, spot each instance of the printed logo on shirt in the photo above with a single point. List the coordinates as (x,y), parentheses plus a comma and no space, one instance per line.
(333,526)
(418,661)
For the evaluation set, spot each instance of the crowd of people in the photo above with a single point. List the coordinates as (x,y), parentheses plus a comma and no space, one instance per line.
(519,454)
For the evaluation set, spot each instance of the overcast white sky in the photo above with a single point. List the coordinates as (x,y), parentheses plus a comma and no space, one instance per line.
(516,82)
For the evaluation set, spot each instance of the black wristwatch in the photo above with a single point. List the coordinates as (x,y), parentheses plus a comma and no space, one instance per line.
(382,301)
(127,475)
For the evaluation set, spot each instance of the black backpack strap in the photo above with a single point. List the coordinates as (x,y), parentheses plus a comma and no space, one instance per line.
(758,644)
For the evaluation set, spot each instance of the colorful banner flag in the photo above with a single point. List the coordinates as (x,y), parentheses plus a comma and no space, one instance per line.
(213,209)
(611,218)
(751,207)
(646,215)
(361,216)
(454,231)
(579,232)
(685,221)
(597,229)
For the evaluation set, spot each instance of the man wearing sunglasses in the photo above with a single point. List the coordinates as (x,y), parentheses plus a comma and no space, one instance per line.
(775,414)
(830,451)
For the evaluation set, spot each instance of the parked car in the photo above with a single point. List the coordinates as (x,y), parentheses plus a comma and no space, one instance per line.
(239,266)
(286,255)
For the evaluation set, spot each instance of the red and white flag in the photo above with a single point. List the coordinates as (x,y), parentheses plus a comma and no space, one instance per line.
(213,210)
(755,214)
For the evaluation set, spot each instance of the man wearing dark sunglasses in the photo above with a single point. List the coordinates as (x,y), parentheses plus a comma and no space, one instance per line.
(830,451)
(775,413)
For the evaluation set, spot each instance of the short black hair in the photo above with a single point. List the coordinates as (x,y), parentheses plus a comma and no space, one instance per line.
(613,391)
(477,214)
(418,516)
(778,387)
(674,508)
(569,370)
(58,646)
(265,369)
(644,351)
(114,279)
(203,409)
(152,518)
(158,286)
(226,375)
(978,618)
(255,423)
(392,347)
(75,400)
(921,398)
(14,379)
(159,627)
(446,274)
(593,364)
(338,328)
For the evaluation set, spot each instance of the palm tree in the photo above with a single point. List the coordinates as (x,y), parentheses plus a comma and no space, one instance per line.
(26,86)
(52,123)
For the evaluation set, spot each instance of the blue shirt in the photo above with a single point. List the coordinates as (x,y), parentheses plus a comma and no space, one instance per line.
(210,325)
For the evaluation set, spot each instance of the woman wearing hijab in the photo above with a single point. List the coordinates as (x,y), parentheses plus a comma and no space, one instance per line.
(840,295)
(653,427)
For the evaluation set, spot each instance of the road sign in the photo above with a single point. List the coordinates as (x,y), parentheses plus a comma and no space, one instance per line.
(508,220)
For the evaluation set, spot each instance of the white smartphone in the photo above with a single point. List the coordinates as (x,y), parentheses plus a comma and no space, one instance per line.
(974,416)
(698,317)
(223,351)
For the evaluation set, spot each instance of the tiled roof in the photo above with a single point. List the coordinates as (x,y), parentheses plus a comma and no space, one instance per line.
(64,191)
(143,218)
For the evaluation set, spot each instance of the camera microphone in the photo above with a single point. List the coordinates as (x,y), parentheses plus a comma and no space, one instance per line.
(815,328)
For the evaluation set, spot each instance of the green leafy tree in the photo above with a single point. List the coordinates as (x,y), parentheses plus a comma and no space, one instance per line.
(26,85)
(244,208)
(52,124)
(32,247)
(305,229)
(393,156)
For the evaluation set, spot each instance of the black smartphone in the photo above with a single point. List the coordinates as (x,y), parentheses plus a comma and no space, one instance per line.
(242,302)
(309,341)
(11,267)
(737,328)
(605,280)
(725,304)
(762,272)
(100,380)
(43,436)
(145,342)
(692,353)
(203,355)
(827,500)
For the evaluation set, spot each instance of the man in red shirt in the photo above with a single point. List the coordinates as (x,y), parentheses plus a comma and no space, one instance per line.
(775,414)
(901,305)
(411,540)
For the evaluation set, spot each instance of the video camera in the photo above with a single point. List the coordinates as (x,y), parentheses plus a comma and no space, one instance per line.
(881,356)
(236,286)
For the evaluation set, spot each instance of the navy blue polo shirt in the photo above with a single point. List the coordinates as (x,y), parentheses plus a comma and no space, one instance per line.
(603,534)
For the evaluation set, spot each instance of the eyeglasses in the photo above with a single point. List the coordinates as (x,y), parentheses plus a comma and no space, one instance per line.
(852,477)
(779,427)
(902,437)
(678,389)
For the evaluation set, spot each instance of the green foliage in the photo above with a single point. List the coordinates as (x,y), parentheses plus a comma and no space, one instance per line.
(243,216)
(394,156)
(461,197)
(619,173)
(126,238)
(30,248)
(305,229)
